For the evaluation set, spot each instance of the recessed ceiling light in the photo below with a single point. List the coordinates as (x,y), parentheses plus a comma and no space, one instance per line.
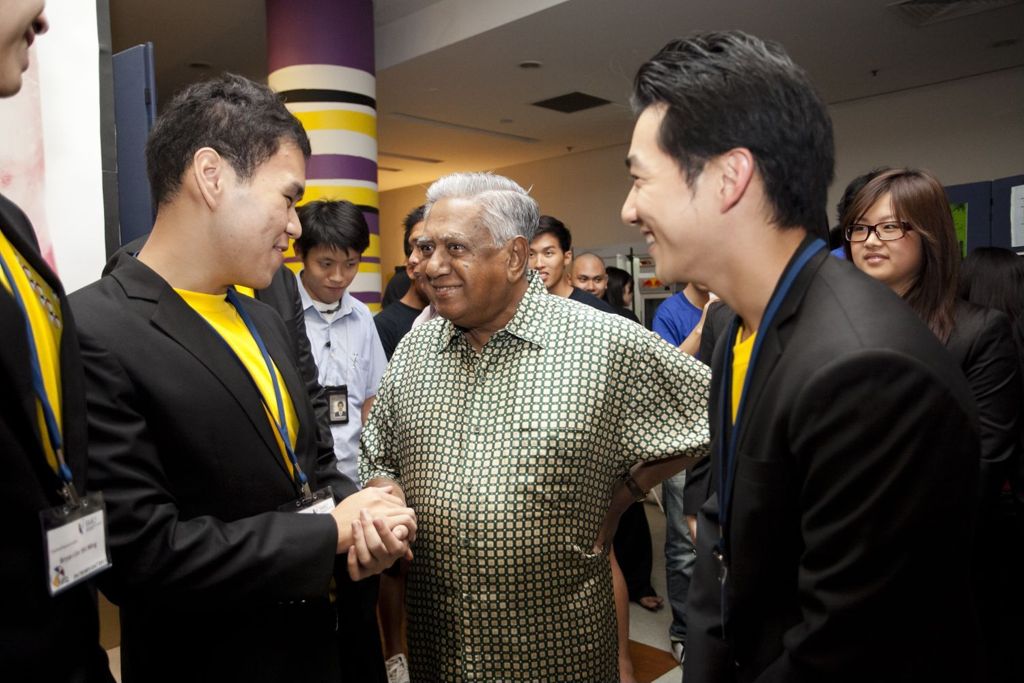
(1006,42)
(505,121)
(530,64)
(199,65)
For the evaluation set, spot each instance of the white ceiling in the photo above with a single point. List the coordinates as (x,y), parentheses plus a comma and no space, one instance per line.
(851,48)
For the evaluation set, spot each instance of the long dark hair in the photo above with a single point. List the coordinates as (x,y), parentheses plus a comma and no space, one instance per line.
(618,281)
(919,199)
(994,278)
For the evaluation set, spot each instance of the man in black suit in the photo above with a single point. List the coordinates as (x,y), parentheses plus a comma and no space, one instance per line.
(845,439)
(46,634)
(202,434)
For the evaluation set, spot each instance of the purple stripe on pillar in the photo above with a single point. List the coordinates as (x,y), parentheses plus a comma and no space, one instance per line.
(371,259)
(320,32)
(341,166)
(367,297)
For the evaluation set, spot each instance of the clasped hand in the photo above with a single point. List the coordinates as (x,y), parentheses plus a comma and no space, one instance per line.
(375,527)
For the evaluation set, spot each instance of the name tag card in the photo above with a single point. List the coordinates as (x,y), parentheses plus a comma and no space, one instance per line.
(75,539)
(337,400)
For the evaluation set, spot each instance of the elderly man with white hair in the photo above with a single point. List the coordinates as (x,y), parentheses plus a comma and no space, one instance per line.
(519,425)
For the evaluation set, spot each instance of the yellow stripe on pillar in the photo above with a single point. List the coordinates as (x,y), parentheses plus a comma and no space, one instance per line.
(335,119)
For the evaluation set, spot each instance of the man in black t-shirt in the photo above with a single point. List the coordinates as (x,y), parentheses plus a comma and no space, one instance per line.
(396,319)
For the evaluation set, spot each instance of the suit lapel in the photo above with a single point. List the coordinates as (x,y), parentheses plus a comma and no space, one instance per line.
(776,335)
(177,320)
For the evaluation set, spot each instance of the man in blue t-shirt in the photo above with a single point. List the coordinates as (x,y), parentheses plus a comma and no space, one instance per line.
(678,315)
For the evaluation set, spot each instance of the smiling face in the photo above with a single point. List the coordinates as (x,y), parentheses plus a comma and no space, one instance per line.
(548,259)
(897,263)
(469,280)
(20,22)
(667,211)
(258,218)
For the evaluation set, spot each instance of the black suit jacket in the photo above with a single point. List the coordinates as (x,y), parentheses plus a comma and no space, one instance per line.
(42,638)
(857,465)
(213,582)
(982,346)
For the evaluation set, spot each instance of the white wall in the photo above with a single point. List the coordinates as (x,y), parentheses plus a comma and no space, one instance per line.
(963,131)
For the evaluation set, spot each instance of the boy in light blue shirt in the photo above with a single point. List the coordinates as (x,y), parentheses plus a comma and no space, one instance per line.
(342,336)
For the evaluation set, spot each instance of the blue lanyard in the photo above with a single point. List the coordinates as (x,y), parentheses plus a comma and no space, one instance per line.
(729,431)
(52,428)
(282,421)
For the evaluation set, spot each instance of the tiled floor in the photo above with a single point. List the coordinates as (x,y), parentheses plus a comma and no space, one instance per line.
(647,628)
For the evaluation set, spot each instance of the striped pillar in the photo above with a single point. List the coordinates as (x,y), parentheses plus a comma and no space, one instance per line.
(320,55)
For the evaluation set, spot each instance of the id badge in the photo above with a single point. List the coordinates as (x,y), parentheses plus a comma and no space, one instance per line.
(75,539)
(337,401)
(319,503)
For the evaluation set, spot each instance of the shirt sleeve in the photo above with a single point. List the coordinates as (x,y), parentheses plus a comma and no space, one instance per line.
(663,323)
(667,413)
(378,360)
(378,457)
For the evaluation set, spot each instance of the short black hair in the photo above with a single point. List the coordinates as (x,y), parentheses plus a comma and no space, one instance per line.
(245,122)
(335,223)
(724,90)
(549,225)
(411,219)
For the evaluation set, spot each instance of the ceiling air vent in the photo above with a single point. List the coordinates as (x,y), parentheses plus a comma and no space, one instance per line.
(928,12)
(572,102)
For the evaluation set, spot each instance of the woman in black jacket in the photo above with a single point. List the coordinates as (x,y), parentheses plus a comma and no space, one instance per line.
(899,230)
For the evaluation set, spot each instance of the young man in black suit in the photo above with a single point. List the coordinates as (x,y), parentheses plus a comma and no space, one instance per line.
(201,431)
(48,631)
(845,439)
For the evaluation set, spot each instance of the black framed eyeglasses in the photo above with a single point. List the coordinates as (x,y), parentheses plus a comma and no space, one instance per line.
(887,231)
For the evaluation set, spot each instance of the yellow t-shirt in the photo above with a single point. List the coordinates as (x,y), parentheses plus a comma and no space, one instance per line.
(741,351)
(44,316)
(222,316)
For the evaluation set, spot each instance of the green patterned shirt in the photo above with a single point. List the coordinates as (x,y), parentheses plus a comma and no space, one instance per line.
(509,456)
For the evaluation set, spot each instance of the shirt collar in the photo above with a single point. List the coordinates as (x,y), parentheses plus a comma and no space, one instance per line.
(307,300)
(527,323)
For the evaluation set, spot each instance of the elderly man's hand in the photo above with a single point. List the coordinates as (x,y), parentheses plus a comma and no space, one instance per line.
(375,546)
(381,505)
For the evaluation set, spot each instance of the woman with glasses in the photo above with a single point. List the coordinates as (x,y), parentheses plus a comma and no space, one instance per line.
(899,230)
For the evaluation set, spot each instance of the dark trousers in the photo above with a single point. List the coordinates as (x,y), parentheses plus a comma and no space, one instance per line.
(633,550)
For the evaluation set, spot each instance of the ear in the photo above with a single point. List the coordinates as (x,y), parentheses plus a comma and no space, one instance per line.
(208,173)
(567,261)
(737,171)
(518,257)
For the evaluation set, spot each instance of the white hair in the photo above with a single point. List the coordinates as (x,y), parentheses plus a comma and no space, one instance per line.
(506,209)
